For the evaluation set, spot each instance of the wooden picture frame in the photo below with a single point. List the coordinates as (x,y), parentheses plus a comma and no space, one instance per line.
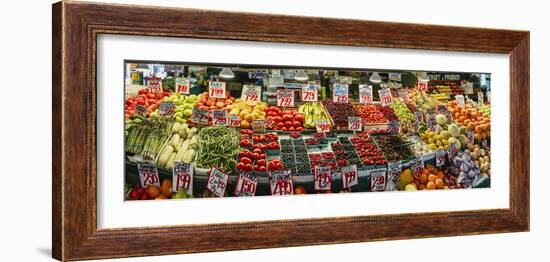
(76,26)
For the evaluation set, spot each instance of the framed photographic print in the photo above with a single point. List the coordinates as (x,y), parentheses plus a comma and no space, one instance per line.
(245,131)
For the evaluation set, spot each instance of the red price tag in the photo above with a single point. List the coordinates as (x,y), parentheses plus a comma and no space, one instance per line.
(217,182)
(183,85)
(199,116)
(219,118)
(285,98)
(340,93)
(355,123)
(431,122)
(309,94)
(365,94)
(246,185)
(350,177)
(417,165)
(385,96)
(182,177)
(378,180)
(234,121)
(280,183)
(148,175)
(154,84)
(251,93)
(321,126)
(322,178)
(403,95)
(423,86)
(439,158)
(216,89)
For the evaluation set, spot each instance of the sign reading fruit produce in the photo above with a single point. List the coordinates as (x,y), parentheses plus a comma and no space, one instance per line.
(182,177)
(251,93)
(340,93)
(199,116)
(280,183)
(355,123)
(321,126)
(322,178)
(217,182)
(309,93)
(385,96)
(167,108)
(154,84)
(216,89)
(365,94)
(285,98)
(439,158)
(246,184)
(219,118)
(234,121)
(148,175)
(183,85)
(350,177)
(378,180)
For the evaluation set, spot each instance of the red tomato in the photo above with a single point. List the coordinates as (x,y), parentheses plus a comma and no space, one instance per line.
(246,160)
(260,162)
(291,128)
(240,166)
(288,124)
(296,123)
(150,95)
(262,169)
(287,117)
(299,117)
(248,167)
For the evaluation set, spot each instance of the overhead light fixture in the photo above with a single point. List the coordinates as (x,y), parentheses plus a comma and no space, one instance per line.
(301,76)
(142,67)
(226,73)
(375,78)
(424,77)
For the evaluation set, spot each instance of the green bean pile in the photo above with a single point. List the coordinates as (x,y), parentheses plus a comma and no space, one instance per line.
(217,147)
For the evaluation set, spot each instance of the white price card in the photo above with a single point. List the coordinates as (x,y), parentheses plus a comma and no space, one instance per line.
(350,177)
(393,127)
(431,122)
(285,98)
(322,178)
(385,96)
(321,126)
(488,95)
(148,175)
(355,123)
(439,158)
(394,76)
(251,93)
(219,118)
(340,93)
(460,100)
(309,93)
(452,151)
(246,185)
(417,165)
(365,94)
(217,182)
(216,89)
(280,183)
(394,170)
(378,180)
(182,177)
(418,118)
(258,126)
(199,116)
(234,121)
(470,136)
(167,108)
(140,110)
(183,85)
(403,95)
(154,84)
(480,97)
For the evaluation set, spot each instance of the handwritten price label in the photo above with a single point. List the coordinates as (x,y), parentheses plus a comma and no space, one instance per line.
(340,93)
(350,177)
(280,183)
(423,86)
(182,177)
(417,165)
(321,126)
(355,123)
(439,158)
(378,180)
(140,110)
(385,96)
(167,108)
(154,84)
(432,124)
(403,95)
(234,121)
(217,182)
(393,127)
(452,151)
(246,185)
(394,76)
(219,118)
(216,89)
(488,95)
(480,97)
(183,85)
(470,136)
(251,93)
(322,178)
(460,100)
(418,118)
(285,98)
(365,94)
(309,93)
(394,170)
(148,175)
(258,126)
(199,116)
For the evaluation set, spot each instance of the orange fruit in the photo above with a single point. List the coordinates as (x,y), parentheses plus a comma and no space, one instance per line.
(439,175)
(299,190)
(439,183)
(161,197)
(426,171)
(432,178)
(421,187)
(153,192)
(166,188)
(423,178)
(430,186)
(445,187)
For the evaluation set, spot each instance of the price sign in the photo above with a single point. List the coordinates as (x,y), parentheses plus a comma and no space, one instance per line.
(199,116)
(258,126)
(350,177)
(154,84)
(321,126)
(322,178)
(355,123)
(378,180)
(148,175)
(216,89)
(167,108)
(417,165)
(403,95)
(393,127)
(480,97)
(488,95)
(309,93)
(219,118)
(451,151)
(418,118)
(439,158)
(470,136)
(217,182)
(385,96)
(285,98)
(422,86)
(280,183)
(365,94)
(234,121)
(460,100)
(394,170)
(182,177)
(183,85)
(340,93)
(431,121)
(246,185)
(140,110)
(251,93)
(395,76)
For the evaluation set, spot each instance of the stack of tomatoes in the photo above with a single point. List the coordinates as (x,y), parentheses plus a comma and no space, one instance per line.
(284,120)
(253,155)
(145,98)
(369,153)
